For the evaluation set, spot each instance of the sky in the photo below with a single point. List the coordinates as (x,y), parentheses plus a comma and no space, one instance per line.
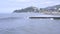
(8,6)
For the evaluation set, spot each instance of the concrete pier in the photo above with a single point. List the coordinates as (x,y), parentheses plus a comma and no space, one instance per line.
(44,17)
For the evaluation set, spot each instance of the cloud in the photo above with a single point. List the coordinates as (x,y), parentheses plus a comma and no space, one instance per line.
(19,0)
(10,5)
(47,2)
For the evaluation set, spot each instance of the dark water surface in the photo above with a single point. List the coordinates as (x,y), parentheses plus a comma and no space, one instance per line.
(21,24)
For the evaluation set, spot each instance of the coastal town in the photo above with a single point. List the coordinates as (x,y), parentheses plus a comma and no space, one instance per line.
(53,10)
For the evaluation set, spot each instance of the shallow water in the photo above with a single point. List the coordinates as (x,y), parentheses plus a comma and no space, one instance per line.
(21,24)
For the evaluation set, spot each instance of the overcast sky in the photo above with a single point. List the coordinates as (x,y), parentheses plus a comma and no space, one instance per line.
(8,6)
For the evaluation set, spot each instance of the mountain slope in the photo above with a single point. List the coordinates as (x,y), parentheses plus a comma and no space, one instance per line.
(28,9)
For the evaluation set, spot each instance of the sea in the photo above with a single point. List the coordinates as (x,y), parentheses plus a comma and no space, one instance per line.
(20,23)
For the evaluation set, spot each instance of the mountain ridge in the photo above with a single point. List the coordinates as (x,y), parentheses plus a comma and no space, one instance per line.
(48,10)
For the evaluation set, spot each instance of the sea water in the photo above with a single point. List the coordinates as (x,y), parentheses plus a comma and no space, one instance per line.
(21,24)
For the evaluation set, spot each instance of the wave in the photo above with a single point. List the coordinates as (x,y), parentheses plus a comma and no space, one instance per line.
(10,18)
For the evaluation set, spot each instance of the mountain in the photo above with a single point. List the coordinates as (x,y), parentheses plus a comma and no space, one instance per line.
(48,10)
(28,9)
(54,8)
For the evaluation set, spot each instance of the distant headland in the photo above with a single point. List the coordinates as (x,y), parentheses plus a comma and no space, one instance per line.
(48,10)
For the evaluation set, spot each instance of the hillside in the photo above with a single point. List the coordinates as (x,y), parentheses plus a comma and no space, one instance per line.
(55,7)
(54,10)
(28,9)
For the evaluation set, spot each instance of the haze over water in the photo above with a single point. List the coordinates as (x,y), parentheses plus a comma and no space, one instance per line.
(21,24)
